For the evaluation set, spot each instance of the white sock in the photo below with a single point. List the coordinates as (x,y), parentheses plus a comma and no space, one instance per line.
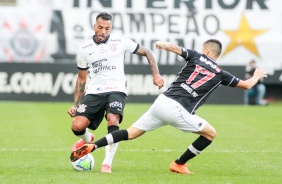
(110,153)
(86,136)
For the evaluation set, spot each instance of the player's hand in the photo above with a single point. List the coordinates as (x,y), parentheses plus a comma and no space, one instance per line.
(160,45)
(72,111)
(158,80)
(260,73)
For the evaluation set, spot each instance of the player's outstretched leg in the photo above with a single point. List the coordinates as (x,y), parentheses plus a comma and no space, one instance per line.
(80,152)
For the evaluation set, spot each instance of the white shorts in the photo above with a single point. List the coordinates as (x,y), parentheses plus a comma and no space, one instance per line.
(166,111)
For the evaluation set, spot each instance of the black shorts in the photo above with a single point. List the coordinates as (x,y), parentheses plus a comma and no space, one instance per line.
(94,106)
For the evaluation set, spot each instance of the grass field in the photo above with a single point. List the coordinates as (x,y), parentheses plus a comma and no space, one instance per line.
(36,140)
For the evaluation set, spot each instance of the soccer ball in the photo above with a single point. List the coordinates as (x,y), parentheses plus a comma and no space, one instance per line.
(85,163)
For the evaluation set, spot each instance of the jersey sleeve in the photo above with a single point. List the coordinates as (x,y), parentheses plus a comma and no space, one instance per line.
(188,54)
(229,79)
(130,45)
(80,59)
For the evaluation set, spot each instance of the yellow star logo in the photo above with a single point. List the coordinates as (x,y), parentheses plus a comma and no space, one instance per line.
(244,36)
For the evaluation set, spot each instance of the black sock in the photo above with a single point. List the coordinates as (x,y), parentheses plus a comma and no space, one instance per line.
(115,136)
(112,128)
(79,133)
(194,149)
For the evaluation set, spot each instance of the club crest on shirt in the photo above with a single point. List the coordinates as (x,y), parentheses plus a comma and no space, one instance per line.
(81,108)
(113,47)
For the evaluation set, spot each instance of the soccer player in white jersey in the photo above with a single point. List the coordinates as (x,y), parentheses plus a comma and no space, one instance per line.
(177,105)
(102,60)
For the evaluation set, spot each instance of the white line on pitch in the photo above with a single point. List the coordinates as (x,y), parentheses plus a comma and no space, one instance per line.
(139,150)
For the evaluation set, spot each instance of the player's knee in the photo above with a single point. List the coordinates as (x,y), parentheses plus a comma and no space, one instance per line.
(209,132)
(113,119)
(78,125)
(213,134)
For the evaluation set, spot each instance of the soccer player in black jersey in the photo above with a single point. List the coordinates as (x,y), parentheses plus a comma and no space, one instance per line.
(177,105)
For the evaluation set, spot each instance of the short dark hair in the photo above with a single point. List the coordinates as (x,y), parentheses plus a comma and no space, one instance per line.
(104,15)
(215,46)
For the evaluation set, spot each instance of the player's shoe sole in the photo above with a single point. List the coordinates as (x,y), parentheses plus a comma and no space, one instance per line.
(80,152)
(177,168)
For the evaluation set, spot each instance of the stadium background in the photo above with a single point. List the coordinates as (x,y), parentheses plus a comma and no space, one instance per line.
(39,40)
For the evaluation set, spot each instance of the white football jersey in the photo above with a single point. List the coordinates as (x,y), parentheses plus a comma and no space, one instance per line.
(105,63)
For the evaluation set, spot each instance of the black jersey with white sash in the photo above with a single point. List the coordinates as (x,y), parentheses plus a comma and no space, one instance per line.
(197,79)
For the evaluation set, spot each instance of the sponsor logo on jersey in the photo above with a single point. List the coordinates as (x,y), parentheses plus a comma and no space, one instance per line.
(81,108)
(98,66)
(104,68)
(116,104)
(106,88)
(98,63)
(115,40)
(85,46)
(210,64)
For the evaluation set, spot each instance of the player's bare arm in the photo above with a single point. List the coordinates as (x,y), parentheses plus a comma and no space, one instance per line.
(249,83)
(78,91)
(169,47)
(157,78)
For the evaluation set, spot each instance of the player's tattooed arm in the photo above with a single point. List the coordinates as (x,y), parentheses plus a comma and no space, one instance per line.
(143,51)
(78,91)
(157,78)
(79,86)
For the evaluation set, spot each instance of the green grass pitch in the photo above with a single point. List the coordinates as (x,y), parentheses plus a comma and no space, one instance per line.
(36,140)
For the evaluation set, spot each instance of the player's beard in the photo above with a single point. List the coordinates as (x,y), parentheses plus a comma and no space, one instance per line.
(101,38)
